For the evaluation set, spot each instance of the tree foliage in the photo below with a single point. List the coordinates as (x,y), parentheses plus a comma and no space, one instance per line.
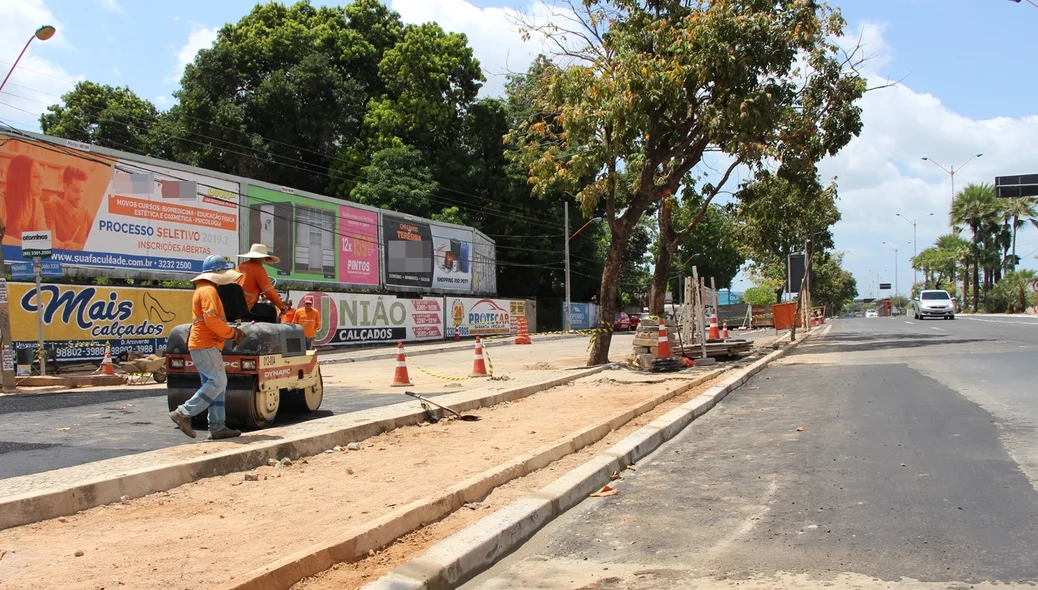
(650,86)
(108,116)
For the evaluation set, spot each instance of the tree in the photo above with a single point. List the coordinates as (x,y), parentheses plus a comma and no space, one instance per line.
(107,116)
(282,90)
(648,87)
(1013,293)
(397,179)
(779,215)
(832,287)
(714,246)
(1018,212)
(976,207)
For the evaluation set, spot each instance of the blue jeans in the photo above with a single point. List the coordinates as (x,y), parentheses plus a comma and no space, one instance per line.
(212,394)
(309,343)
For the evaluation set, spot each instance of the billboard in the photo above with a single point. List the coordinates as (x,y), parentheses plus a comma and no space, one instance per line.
(352,318)
(484,265)
(478,317)
(452,260)
(408,247)
(299,230)
(79,320)
(109,213)
(358,247)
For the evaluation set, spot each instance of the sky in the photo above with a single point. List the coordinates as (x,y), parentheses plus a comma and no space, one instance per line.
(963,71)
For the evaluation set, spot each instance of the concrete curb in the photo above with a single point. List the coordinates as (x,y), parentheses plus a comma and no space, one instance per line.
(453,347)
(460,557)
(356,543)
(62,501)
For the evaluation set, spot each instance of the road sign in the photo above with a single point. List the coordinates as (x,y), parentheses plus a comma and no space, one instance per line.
(24,270)
(36,244)
(884,285)
(1023,185)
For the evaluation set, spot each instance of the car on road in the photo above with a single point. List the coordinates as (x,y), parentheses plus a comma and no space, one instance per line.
(621,321)
(870,313)
(933,303)
(635,320)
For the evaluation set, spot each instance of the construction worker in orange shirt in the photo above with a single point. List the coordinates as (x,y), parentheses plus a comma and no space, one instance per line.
(209,330)
(255,281)
(310,319)
(289,315)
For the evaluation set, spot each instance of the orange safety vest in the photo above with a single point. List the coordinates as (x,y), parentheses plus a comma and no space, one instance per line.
(209,326)
(255,282)
(309,320)
(289,317)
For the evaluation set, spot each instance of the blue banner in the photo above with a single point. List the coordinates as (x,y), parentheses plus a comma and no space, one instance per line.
(83,350)
(579,317)
(23,270)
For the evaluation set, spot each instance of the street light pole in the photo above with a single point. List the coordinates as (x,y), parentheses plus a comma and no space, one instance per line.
(915,250)
(1031,2)
(952,171)
(6,346)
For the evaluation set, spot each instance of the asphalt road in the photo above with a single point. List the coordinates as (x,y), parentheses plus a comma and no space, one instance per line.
(916,468)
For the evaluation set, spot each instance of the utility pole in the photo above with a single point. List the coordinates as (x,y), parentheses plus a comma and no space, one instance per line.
(565,214)
(5,324)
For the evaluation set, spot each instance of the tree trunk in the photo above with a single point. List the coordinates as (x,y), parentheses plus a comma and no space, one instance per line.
(976,276)
(667,245)
(607,292)
(1015,221)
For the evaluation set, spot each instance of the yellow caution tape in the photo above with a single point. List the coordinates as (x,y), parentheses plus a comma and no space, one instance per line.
(486,357)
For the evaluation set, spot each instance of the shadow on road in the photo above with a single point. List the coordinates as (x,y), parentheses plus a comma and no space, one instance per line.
(873,342)
(35,402)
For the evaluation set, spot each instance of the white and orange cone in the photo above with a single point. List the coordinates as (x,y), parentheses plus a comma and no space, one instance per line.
(663,345)
(524,336)
(479,365)
(107,368)
(400,378)
(724,331)
(715,334)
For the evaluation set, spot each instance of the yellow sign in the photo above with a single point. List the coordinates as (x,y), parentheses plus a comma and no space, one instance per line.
(78,320)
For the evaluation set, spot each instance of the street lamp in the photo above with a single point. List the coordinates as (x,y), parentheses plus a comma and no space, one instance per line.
(43,33)
(897,292)
(915,251)
(6,349)
(569,321)
(951,172)
(1031,2)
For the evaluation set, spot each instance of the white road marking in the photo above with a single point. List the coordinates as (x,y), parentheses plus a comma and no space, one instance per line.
(938,329)
(908,322)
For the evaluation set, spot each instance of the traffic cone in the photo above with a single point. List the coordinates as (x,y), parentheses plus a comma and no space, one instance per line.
(479,365)
(400,378)
(107,368)
(523,337)
(724,331)
(715,334)
(457,334)
(663,345)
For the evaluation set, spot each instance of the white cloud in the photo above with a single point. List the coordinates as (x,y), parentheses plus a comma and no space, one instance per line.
(112,6)
(116,72)
(37,80)
(162,101)
(199,39)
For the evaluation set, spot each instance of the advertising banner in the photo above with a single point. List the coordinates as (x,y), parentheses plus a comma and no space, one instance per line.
(452,267)
(579,316)
(358,246)
(478,317)
(352,318)
(78,320)
(299,230)
(484,265)
(408,249)
(109,213)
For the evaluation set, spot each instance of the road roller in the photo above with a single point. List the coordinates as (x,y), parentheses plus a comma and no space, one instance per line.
(270,371)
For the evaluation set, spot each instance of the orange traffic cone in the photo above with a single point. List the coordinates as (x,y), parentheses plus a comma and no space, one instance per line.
(479,365)
(457,334)
(663,345)
(400,378)
(715,334)
(724,331)
(523,337)
(107,368)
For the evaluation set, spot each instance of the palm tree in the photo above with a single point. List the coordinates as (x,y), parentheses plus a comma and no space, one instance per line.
(1018,212)
(976,207)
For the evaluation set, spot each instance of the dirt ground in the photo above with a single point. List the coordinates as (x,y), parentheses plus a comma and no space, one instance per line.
(202,534)
(354,575)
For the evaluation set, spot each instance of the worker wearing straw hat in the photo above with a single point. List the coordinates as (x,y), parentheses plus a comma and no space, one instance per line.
(255,281)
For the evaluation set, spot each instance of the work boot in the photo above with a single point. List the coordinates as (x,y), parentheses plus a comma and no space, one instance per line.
(183,422)
(223,432)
